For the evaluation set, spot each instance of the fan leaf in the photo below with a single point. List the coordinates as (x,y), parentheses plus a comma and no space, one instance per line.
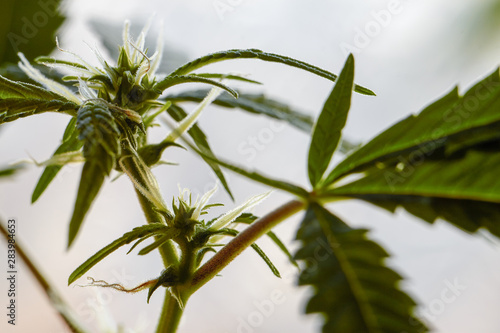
(353,288)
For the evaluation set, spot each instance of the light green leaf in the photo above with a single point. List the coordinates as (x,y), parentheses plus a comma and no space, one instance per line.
(450,189)
(200,139)
(253,103)
(10,170)
(165,236)
(328,128)
(139,232)
(258,54)
(353,288)
(443,122)
(171,81)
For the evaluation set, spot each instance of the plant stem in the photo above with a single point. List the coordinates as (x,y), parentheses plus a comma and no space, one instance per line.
(171,314)
(54,297)
(244,239)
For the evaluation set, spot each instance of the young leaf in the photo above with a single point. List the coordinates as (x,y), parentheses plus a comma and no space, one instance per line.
(165,236)
(253,103)
(444,188)
(437,125)
(178,79)
(353,288)
(257,54)
(200,139)
(139,232)
(328,129)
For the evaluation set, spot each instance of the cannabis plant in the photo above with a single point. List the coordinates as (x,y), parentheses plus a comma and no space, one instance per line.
(435,165)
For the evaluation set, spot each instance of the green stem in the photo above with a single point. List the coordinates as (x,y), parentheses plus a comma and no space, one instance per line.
(244,239)
(171,314)
(54,297)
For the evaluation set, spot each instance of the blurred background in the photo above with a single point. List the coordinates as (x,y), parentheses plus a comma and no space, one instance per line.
(409,52)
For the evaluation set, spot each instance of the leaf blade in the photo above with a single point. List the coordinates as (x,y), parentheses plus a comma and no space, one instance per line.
(328,129)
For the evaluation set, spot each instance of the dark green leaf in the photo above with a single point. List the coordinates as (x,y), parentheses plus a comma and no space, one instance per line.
(253,103)
(171,81)
(28,26)
(463,190)
(258,54)
(200,139)
(442,123)
(90,183)
(328,128)
(353,288)
(139,232)
(70,143)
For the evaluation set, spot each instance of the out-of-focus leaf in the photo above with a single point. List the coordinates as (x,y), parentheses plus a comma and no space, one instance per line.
(200,139)
(28,26)
(139,232)
(10,170)
(352,287)
(253,103)
(445,121)
(257,54)
(464,191)
(328,128)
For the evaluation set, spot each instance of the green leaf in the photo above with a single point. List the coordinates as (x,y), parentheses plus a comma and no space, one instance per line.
(226,77)
(200,139)
(19,99)
(233,232)
(328,129)
(22,28)
(443,122)
(70,143)
(139,232)
(90,183)
(171,81)
(279,184)
(253,103)
(171,233)
(352,287)
(258,54)
(10,170)
(461,190)
(248,218)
